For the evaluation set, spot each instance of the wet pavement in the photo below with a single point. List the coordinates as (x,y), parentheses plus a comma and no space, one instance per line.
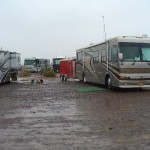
(55,115)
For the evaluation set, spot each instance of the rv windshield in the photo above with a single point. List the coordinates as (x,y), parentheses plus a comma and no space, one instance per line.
(56,61)
(135,51)
(29,62)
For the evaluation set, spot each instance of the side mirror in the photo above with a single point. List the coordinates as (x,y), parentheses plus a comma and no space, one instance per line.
(121,56)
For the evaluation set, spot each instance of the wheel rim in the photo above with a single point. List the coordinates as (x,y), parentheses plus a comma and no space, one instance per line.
(65,78)
(109,82)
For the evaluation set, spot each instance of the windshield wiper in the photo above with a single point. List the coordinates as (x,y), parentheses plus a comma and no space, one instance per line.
(134,62)
(136,59)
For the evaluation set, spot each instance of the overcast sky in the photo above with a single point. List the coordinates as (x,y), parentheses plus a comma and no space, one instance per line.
(52,28)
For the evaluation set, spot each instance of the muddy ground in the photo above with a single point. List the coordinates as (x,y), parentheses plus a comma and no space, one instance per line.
(56,115)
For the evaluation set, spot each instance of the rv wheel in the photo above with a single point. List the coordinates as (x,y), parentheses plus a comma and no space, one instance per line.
(84,78)
(65,78)
(62,77)
(108,82)
(14,76)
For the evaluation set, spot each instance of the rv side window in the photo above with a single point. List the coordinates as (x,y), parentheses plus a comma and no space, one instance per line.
(114,53)
(103,56)
(96,57)
(109,55)
(37,63)
(79,56)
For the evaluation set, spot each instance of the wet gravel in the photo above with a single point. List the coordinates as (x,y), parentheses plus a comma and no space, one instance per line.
(56,116)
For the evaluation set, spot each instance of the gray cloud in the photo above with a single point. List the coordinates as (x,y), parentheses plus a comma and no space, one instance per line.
(50,28)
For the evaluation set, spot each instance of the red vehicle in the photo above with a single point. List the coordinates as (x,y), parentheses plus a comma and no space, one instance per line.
(67,68)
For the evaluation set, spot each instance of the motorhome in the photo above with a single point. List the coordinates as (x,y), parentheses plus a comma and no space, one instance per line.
(9,65)
(122,62)
(36,64)
(56,63)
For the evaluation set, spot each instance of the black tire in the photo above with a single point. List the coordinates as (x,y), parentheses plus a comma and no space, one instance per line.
(62,77)
(14,76)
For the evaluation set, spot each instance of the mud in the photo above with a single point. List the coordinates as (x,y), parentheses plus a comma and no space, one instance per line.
(55,115)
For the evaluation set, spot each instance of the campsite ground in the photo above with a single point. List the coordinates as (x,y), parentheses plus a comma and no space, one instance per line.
(72,115)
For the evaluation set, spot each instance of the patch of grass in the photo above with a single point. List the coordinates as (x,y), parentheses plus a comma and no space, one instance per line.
(90,89)
(48,73)
(24,72)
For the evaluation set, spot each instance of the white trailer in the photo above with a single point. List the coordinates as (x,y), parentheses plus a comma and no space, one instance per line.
(122,62)
(9,65)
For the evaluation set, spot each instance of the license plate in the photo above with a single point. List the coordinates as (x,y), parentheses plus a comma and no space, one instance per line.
(141,84)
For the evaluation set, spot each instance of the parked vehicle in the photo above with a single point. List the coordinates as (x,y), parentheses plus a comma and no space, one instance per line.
(56,62)
(67,68)
(9,65)
(122,62)
(36,64)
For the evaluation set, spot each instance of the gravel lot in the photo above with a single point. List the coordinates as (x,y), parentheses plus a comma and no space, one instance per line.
(56,115)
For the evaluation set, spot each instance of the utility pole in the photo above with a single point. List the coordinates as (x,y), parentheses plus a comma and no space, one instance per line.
(104,30)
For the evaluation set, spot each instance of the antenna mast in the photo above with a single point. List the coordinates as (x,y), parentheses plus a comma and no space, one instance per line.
(104,31)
